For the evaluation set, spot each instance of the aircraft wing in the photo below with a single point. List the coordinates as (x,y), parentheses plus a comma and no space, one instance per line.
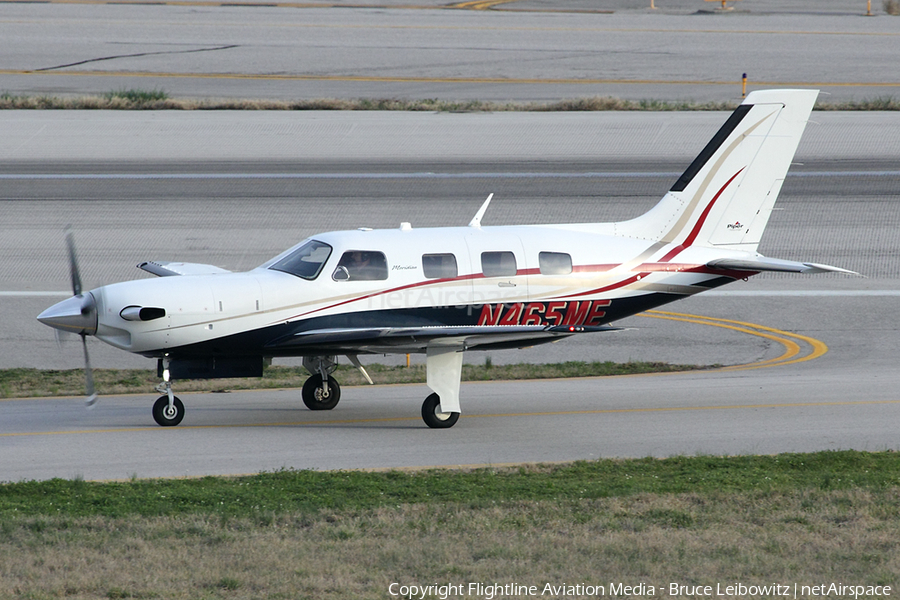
(416,339)
(168,269)
(763,263)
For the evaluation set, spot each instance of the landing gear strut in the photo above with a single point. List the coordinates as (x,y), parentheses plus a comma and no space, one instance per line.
(168,410)
(443,366)
(321,391)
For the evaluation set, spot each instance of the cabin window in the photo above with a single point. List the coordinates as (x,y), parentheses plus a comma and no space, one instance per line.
(498,264)
(555,263)
(306,261)
(361,265)
(439,266)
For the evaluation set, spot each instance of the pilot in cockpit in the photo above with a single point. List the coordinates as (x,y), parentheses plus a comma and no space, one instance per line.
(360,266)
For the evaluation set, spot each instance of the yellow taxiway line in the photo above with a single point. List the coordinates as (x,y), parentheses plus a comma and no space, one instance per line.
(556,413)
(785,338)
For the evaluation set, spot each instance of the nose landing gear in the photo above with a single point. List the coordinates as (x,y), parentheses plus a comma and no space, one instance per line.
(168,410)
(166,414)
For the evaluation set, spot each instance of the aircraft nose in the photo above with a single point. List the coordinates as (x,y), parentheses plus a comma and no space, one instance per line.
(77,314)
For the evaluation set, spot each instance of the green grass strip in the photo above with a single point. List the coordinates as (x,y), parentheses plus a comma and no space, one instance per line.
(25,383)
(291,491)
(137,99)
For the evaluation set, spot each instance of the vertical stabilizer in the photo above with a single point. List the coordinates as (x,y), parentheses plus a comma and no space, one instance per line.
(726,195)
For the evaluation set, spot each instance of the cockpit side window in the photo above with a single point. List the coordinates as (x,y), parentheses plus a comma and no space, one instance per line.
(361,265)
(306,261)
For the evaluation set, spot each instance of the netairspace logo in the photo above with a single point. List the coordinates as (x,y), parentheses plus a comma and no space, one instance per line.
(494,591)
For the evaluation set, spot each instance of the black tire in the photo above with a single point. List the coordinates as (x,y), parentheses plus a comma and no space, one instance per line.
(161,413)
(432,415)
(312,393)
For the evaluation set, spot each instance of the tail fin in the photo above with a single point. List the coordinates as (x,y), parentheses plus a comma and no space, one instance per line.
(726,195)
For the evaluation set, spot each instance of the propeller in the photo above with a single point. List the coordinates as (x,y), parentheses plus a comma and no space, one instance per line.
(73,262)
(90,392)
(90,397)
(77,314)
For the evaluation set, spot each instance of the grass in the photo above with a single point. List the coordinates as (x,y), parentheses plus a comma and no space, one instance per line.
(310,492)
(136,99)
(805,518)
(24,383)
(136,96)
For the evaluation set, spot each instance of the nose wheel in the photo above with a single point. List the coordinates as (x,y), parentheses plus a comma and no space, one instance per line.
(165,415)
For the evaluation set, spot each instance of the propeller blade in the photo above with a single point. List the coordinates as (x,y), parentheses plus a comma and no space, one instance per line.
(73,263)
(90,398)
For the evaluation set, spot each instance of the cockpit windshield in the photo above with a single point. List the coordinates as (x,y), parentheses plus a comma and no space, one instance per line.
(306,261)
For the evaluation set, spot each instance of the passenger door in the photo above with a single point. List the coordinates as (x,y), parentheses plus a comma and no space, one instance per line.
(499,267)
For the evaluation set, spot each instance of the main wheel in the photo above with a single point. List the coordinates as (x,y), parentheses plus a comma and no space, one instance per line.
(314,396)
(432,415)
(165,416)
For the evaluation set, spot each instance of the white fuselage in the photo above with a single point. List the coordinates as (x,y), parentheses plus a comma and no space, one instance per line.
(604,268)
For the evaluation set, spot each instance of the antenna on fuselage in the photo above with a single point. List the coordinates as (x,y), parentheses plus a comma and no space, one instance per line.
(476,220)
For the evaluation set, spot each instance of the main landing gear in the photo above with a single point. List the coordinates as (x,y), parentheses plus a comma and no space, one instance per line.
(319,396)
(444,366)
(321,391)
(432,415)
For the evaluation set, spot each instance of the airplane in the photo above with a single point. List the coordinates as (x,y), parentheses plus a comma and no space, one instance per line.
(444,291)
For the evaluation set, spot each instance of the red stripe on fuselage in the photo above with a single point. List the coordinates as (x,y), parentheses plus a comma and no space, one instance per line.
(593,268)
(696,230)
(613,286)
(473,276)
(672,253)
(699,224)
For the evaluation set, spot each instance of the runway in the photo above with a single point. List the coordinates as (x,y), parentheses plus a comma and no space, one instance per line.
(521,51)
(823,349)
(789,409)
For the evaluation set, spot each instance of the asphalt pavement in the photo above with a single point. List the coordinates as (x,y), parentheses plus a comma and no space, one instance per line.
(234,188)
(528,51)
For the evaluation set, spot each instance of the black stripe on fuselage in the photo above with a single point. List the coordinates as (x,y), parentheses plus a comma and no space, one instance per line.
(280,340)
(736,117)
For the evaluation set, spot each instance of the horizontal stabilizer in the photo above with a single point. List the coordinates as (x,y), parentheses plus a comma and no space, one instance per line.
(763,263)
(169,269)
